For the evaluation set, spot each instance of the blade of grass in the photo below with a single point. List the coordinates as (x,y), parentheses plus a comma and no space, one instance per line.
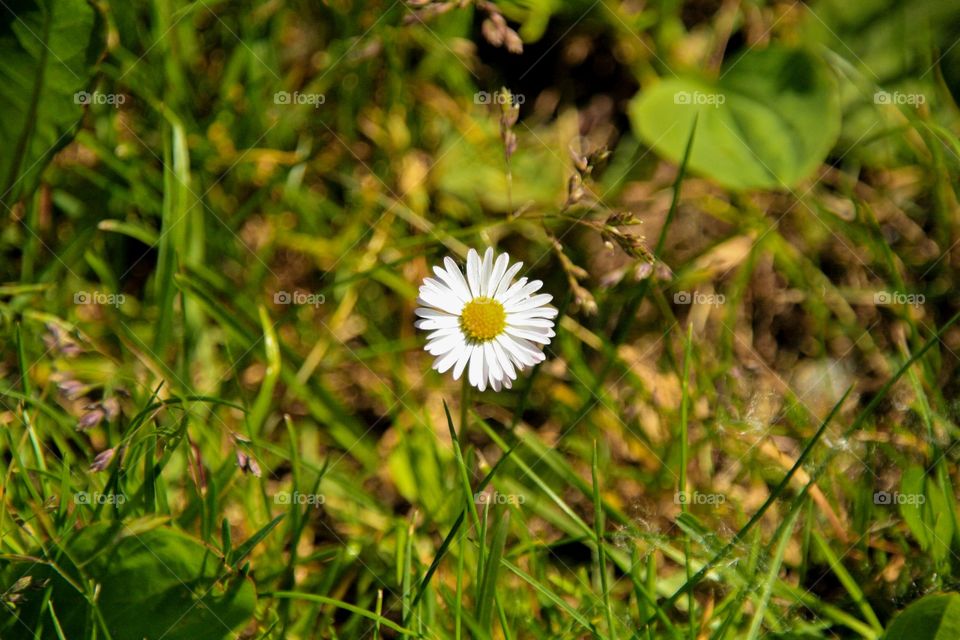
(488,583)
(775,564)
(848,582)
(601,547)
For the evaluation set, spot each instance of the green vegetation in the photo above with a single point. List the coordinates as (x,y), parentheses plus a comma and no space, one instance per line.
(218,420)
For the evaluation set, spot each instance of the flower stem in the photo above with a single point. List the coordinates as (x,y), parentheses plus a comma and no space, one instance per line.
(464,410)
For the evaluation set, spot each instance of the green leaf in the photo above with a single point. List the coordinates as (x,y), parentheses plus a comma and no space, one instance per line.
(935,617)
(767,122)
(911,484)
(48,49)
(152,583)
(488,583)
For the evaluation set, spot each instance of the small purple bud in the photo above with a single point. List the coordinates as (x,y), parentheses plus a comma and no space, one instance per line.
(103,460)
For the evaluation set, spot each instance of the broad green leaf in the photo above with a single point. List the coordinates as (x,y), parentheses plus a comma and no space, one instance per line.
(154,583)
(48,49)
(935,617)
(911,484)
(767,122)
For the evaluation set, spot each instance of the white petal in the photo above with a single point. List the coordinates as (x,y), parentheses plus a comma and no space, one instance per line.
(519,294)
(445,303)
(443,345)
(528,304)
(520,349)
(499,268)
(538,312)
(428,312)
(455,274)
(462,361)
(534,335)
(443,333)
(506,280)
(476,369)
(523,323)
(491,362)
(473,272)
(505,363)
(486,268)
(444,322)
(444,362)
(463,295)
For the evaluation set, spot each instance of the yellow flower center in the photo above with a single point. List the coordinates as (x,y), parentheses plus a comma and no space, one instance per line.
(483,319)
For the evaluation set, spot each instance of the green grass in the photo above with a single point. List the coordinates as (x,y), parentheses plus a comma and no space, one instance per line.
(673,470)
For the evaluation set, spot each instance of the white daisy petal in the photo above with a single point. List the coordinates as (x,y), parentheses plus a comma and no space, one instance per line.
(462,293)
(506,280)
(486,269)
(539,312)
(518,294)
(491,362)
(444,344)
(505,363)
(523,323)
(524,353)
(443,333)
(444,303)
(462,361)
(460,283)
(499,268)
(427,312)
(528,303)
(441,322)
(476,369)
(533,335)
(444,362)
(473,272)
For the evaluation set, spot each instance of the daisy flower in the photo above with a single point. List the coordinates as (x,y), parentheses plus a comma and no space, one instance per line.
(485,324)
